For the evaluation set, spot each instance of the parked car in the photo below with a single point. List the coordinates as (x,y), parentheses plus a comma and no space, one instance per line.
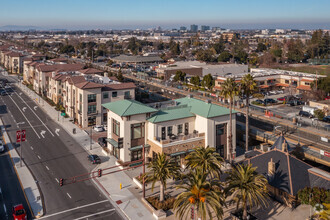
(305,114)
(259,101)
(19,212)
(94,159)
(281,99)
(3,93)
(280,91)
(272,92)
(2,147)
(326,119)
(98,128)
(266,101)
(102,141)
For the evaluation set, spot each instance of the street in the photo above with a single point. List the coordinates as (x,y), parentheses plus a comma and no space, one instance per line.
(51,154)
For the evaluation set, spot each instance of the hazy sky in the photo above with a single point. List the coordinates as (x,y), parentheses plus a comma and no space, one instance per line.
(166,13)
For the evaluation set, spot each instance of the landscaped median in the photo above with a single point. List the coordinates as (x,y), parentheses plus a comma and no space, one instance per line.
(25,177)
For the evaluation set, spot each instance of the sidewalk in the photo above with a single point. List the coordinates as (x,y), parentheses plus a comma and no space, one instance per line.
(131,206)
(27,181)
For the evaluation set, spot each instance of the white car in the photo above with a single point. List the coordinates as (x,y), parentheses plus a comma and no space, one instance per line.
(272,92)
(98,128)
(280,91)
(2,147)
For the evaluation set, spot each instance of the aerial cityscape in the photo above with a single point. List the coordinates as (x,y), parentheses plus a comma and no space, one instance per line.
(173,110)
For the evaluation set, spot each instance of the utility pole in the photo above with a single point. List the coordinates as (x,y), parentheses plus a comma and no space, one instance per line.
(90,146)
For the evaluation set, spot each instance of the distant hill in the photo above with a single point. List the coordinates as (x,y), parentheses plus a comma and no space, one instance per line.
(18,28)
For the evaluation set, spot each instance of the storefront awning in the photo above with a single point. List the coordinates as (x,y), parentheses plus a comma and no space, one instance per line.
(138,147)
(178,153)
(112,142)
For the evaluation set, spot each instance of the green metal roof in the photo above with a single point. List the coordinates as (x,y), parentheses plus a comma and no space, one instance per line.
(201,108)
(128,107)
(171,114)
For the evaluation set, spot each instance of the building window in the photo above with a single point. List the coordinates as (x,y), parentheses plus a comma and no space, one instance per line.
(220,129)
(307,84)
(186,128)
(180,129)
(80,97)
(114,94)
(91,109)
(91,98)
(80,107)
(115,127)
(105,118)
(105,95)
(163,133)
(169,130)
(127,94)
(286,81)
(137,131)
(59,91)
(136,155)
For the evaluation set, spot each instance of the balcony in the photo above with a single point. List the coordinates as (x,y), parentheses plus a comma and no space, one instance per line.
(178,139)
(92,113)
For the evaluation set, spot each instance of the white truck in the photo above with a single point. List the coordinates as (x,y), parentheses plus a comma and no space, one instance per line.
(309,109)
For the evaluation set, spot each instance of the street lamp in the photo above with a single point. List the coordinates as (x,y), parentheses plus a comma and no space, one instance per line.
(91,135)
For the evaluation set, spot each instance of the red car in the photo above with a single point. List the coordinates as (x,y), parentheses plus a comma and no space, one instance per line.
(19,212)
(281,99)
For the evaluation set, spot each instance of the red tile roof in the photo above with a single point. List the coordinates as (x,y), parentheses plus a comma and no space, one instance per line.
(91,71)
(264,86)
(73,80)
(281,85)
(89,85)
(304,87)
(60,67)
(120,86)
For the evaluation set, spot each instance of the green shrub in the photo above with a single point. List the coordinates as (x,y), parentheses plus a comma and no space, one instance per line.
(314,196)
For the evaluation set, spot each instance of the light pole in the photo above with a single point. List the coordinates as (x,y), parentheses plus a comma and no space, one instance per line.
(144,171)
(90,146)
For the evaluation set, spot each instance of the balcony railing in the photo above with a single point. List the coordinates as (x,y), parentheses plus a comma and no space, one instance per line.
(92,113)
(180,137)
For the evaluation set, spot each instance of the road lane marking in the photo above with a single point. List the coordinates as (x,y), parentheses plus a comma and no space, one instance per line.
(79,207)
(87,216)
(42,133)
(34,113)
(68,195)
(31,148)
(39,157)
(24,116)
(4,207)
(56,131)
(47,168)
(57,180)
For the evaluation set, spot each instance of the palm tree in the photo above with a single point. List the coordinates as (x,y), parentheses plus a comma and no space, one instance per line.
(249,86)
(229,91)
(247,187)
(161,169)
(201,194)
(206,159)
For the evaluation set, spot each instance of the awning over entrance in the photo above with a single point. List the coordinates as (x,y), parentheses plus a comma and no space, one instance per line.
(112,142)
(138,147)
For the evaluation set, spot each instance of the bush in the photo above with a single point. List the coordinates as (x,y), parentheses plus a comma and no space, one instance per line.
(319,114)
(167,204)
(314,196)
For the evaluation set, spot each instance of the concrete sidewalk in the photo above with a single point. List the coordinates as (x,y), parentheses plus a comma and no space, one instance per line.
(131,206)
(26,179)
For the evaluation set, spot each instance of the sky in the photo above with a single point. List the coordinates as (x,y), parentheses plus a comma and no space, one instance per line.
(120,14)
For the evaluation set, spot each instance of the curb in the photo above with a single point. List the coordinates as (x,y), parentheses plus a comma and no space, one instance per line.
(19,179)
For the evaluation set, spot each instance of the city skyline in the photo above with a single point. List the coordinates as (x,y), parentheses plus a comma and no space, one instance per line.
(146,14)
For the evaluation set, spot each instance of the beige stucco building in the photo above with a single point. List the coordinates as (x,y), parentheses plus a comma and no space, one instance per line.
(175,129)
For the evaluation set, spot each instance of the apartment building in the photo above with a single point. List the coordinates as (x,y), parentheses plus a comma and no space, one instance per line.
(174,128)
(83,99)
(272,79)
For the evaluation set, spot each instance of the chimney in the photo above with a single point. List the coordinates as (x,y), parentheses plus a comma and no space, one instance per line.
(284,146)
(271,167)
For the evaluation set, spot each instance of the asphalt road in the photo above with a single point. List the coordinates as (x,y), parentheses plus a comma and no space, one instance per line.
(51,157)
(11,192)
